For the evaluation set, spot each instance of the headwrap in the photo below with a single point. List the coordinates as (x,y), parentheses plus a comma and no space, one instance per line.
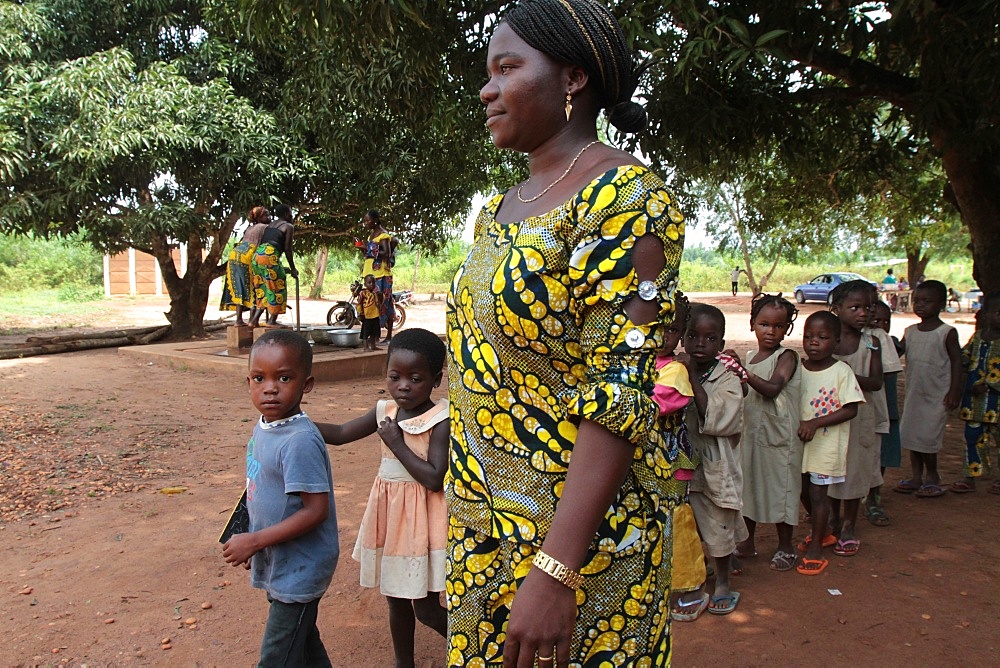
(257,214)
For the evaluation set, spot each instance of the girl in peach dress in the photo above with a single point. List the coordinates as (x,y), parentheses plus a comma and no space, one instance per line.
(403,535)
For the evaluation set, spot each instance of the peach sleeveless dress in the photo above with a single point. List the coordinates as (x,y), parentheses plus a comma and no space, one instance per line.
(404,532)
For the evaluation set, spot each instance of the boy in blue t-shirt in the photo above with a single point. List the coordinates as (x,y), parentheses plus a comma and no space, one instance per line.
(292,546)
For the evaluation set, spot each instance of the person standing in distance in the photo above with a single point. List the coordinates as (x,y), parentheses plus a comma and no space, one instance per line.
(380,258)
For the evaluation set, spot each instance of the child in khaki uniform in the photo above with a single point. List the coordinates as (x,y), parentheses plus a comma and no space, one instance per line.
(716,489)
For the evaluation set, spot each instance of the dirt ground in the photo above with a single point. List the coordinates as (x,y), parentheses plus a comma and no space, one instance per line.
(116,477)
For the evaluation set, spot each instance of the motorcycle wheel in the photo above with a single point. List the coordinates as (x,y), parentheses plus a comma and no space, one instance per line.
(341,314)
(399,319)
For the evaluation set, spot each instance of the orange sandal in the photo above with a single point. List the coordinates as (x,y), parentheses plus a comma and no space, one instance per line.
(812,566)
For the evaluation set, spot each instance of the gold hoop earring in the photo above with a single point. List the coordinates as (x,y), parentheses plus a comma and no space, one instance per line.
(569,105)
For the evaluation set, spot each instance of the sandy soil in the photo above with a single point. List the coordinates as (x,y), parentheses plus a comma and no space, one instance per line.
(117,477)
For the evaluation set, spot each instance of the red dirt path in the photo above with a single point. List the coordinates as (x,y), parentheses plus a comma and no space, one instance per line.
(99,566)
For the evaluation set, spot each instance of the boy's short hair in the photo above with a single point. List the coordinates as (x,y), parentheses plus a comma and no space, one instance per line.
(938,289)
(422,342)
(826,318)
(699,310)
(286,338)
(882,305)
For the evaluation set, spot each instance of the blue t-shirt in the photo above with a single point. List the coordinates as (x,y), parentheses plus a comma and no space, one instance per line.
(283,458)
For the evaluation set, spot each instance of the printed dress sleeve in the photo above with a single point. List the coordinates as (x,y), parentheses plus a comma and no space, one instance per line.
(672,390)
(610,215)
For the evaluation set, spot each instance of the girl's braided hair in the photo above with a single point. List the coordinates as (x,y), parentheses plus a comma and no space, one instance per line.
(758,303)
(840,293)
(585,33)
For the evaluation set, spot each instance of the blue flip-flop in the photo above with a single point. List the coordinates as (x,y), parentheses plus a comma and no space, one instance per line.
(732,597)
(697,606)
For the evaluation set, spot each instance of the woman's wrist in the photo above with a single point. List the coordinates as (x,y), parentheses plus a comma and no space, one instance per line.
(557,570)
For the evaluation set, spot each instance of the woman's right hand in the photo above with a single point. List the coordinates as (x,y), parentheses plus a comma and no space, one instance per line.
(542,619)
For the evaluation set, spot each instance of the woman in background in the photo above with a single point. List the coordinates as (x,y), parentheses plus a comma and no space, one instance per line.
(270,289)
(237,287)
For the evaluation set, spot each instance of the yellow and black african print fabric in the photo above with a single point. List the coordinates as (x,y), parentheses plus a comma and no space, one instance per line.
(269,287)
(539,340)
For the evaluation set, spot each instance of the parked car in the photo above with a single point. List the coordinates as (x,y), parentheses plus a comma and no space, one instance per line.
(820,288)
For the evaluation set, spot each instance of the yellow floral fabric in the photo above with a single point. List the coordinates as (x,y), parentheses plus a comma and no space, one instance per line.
(237,288)
(538,340)
(981,363)
(269,287)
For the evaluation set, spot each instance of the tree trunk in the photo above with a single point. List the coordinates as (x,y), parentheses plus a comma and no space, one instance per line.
(916,264)
(976,185)
(188,294)
(322,256)
(416,268)
(770,272)
(754,288)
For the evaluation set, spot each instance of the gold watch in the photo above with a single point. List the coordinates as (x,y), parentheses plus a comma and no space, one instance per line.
(558,570)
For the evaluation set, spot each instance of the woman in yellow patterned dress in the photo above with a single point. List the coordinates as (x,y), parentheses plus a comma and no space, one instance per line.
(237,286)
(554,322)
(269,286)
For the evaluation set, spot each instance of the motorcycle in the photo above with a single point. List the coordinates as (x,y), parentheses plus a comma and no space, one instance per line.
(345,313)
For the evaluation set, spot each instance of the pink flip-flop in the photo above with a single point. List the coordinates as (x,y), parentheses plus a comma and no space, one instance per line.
(847,548)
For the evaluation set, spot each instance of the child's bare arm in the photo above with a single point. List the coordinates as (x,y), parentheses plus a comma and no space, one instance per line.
(314,511)
(783,371)
(338,434)
(808,428)
(428,473)
(700,396)
(873,381)
(954,396)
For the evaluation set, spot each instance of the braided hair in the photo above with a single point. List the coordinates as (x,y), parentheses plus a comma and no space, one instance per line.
(758,303)
(585,33)
(840,293)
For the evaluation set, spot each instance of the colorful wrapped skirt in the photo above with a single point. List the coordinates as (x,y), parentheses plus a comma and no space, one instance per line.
(269,288)
(237,288)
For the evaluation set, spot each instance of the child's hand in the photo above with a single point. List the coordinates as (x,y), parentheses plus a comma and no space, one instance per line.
(733,365)
(806,431)
(732,353)
(683,358)
(238,550)
(391,434)
(978,390)
(952,400)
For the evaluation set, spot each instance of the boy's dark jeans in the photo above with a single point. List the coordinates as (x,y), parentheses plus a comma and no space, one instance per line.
(291,637)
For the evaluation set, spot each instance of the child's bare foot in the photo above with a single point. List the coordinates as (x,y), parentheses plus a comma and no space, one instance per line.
(746,549)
